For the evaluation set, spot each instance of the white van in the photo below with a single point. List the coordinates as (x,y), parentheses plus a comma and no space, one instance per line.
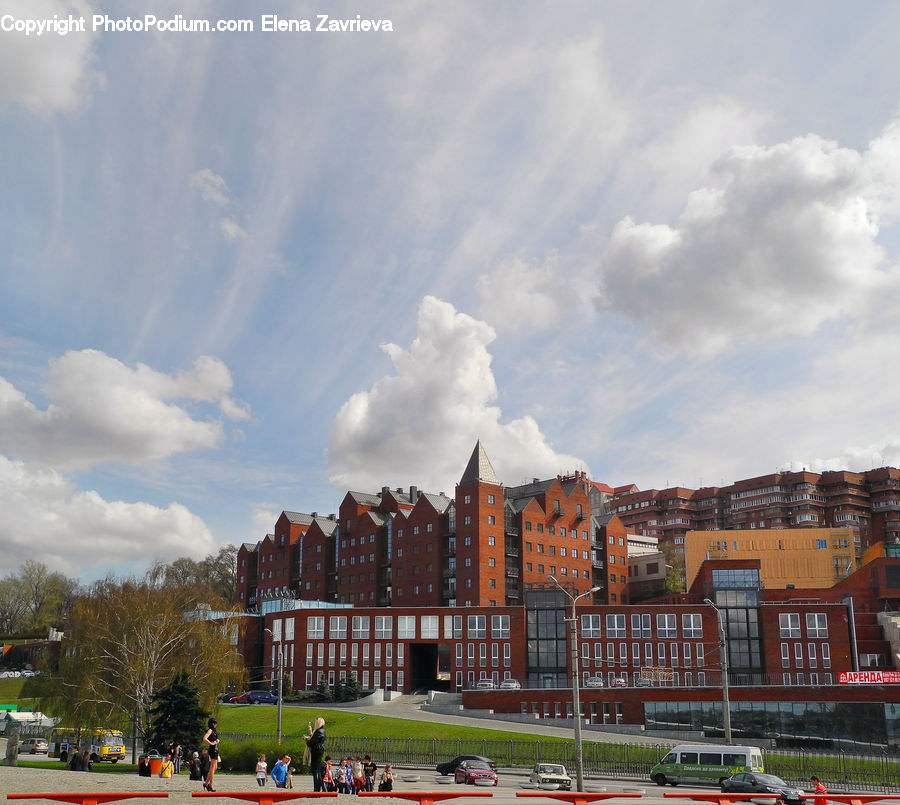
(705,763)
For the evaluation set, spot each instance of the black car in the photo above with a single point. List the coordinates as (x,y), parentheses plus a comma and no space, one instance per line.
(450,766)
(750,782)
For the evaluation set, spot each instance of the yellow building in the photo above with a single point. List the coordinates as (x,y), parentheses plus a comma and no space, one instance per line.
(803,557)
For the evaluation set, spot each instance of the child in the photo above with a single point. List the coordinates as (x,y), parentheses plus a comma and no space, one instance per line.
(337,777)
(359,777)
(261,768)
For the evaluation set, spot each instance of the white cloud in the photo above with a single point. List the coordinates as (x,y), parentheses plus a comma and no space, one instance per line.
(781,240)
(50,72)
(232,230)
(211,186)
(103,411)
(420,424)
(519,295)
(76,532)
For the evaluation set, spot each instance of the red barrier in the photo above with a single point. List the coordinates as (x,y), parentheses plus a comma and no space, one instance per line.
(90,798)
(579,797)
(425,797)
(854,799)
(720,797)
(266,797)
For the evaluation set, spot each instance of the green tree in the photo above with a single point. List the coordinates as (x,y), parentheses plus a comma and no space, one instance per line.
(127,639)
(674,568)
(176,715)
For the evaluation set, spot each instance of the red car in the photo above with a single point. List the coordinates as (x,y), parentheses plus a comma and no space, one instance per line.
(475,772)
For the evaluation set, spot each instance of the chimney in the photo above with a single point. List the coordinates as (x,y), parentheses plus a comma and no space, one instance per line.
(314,515)
(384,491)
(413,494)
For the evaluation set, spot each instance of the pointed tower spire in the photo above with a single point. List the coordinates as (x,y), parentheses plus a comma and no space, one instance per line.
(479,468)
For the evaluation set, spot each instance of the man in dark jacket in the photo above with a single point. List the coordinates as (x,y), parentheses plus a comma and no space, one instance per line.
(204,764)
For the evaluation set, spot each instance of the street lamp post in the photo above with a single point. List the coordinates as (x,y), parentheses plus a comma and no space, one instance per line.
(576,701)
(280,680)
(723,663)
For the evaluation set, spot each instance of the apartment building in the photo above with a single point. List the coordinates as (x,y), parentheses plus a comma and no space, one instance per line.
(868,503)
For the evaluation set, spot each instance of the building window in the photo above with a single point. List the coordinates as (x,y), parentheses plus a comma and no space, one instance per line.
(826,657)
(500,627)
(789,624)
(315,628)
(785,655)
(360,627)
(590,627)
(665,624)
(692,626)
(384,627)
(640,626)
(406,627)
(477,627)
(337,627)
(816,624)
(615,626)
(430,627)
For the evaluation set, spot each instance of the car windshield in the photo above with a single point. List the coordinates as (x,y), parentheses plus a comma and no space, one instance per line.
(769,779)
(552,770)
(477,764)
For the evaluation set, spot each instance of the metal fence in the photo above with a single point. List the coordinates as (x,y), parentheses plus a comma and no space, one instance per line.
(840,771)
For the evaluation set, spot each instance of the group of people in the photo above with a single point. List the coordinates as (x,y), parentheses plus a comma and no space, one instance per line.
(281,772)
(352,775)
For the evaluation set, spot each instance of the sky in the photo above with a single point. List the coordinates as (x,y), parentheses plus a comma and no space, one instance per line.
(243,272)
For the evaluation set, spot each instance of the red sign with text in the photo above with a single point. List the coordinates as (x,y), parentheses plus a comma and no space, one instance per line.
(869,677)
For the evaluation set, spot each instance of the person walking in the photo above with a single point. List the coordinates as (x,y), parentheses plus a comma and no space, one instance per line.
(261,767)
(212,738)
(86,763)
(316,744)
(279,772)
(819,791)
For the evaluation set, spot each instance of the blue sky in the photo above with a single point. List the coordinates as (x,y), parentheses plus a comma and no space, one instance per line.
(244,272)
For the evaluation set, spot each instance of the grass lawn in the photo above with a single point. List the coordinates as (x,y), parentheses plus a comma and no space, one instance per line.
(259,719)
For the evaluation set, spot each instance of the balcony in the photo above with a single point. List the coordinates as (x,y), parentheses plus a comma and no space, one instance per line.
(511,550)
(448,572)
(512,572)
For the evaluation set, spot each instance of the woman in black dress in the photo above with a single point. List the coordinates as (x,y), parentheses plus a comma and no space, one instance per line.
(212,738)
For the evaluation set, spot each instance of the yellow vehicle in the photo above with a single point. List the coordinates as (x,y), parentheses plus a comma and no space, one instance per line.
(102,744)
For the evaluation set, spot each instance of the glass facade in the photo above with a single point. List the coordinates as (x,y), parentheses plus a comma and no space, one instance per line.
(786,722)
(546,646)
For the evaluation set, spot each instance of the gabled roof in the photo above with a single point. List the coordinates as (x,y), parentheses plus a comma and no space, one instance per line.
(365,499)
(298,518)
(440,502)
(479,468)
(377,517)
(327,525)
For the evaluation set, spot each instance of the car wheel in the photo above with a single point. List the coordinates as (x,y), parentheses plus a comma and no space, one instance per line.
(660,779)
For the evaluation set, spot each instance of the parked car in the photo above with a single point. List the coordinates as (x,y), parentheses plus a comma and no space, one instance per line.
(510,684)
(594,682)
(485,684)
(747,782)
(255,697)
(475,772)
(32,746)
(620,682)
(551,773)
(450,766)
